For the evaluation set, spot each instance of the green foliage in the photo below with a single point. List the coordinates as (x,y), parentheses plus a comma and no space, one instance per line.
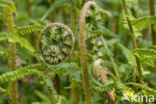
(143,22)
(4,36)
(147,55)
(108,38)
(2,90)
(16,39)
(153,91)
(25,30)
(8,4)
(128,54)
(15,75)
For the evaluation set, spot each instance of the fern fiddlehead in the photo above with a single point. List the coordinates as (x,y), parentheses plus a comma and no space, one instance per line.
(83,53)
(55,45)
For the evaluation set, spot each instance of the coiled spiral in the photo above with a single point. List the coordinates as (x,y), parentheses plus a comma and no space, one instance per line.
(55,43)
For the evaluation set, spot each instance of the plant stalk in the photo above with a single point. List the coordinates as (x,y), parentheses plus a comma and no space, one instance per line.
(134,42)
(83,52)
(74,99)
(12,58)
(152,13)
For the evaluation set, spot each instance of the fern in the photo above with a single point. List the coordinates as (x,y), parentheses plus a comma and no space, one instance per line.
(15,75)
(8,4)
(28,29)
(143,87)
(4,36)
(144,22)
(62,66)
(16,39)
(23,42)
(128,54)
(61,69)
(33,66)
(147,55)
(146,52)
(101,88)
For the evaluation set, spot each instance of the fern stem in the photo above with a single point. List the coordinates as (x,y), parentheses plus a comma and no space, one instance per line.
(52,95)
(83,53)
(12,58)
(152,13)
(51,92)
(134,42)
(73,95)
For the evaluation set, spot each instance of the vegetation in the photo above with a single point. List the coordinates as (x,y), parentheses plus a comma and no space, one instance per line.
(77,52)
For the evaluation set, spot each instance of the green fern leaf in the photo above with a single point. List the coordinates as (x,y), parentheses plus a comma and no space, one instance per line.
(15,75)
(28,29)
(8,4)
(33,66)
(4,36)
(144,22)
(143,87)
(128,54)
(23,42)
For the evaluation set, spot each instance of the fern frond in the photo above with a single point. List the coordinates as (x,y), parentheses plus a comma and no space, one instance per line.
(61,69)
(100,87)
(143,87)
(55,6)
(146,52)
(33,66)
(8,4)
(28,29)
(15,75)
(23,42)
(142,23)
(128,54)
(62,66)
(4,36)
(16,39)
